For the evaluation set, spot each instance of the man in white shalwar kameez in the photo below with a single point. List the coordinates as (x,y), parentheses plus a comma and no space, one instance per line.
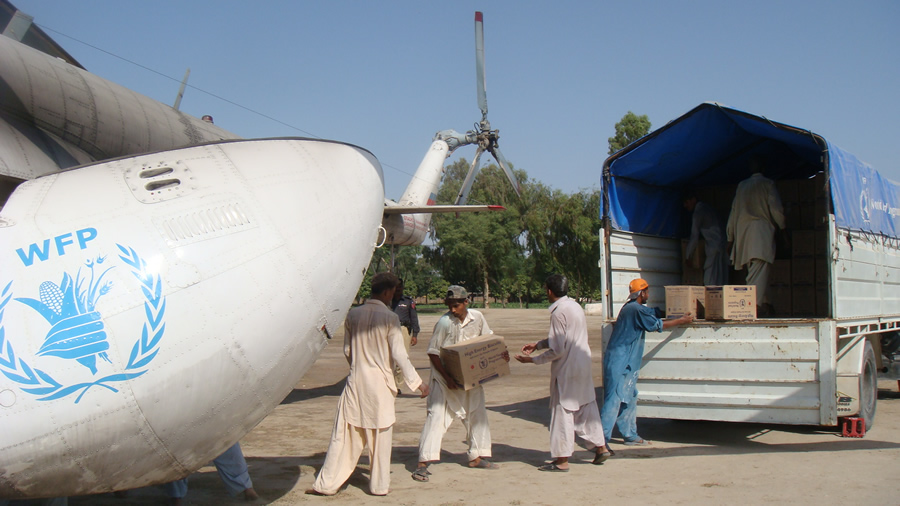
(755,213)
(573,401)
(448,399)
(705,223)
(365,414)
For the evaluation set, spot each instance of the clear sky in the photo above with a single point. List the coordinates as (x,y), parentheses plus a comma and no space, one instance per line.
(387,75)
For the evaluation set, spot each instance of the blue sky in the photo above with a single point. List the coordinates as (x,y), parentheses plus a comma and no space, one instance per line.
(387,75)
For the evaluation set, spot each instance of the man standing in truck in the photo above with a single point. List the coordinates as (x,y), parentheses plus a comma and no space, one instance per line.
(622,361)
(705,222)
(755,213)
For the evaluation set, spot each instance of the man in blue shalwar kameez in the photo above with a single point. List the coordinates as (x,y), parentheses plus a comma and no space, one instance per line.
(622,361)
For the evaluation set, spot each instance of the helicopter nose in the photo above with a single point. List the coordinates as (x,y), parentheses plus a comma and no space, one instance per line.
(214,274)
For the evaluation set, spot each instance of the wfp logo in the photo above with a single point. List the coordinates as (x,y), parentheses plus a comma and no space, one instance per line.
(76,328)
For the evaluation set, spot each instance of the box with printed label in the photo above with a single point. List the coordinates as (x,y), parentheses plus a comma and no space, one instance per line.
(475,361)
(731,302)
(681,299)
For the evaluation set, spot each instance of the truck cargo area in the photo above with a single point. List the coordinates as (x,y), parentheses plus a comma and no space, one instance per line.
(834,286)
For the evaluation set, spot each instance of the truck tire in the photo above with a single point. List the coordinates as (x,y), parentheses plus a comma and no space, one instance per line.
(868,387)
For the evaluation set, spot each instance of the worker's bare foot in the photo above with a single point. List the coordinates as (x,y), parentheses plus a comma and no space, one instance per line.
(250,494)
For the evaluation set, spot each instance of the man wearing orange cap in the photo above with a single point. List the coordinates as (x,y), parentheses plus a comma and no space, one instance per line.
(622,361)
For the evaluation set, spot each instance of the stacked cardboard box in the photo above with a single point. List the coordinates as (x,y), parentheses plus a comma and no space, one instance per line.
(692,269)
(682,299)
(731,302)
(779,290)
(803,273)
(798,282)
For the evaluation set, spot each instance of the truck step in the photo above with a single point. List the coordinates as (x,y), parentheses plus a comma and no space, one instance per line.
(853,426)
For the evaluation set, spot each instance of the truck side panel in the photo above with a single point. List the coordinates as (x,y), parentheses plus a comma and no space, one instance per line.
(866,271)
(629,256)
(763,371)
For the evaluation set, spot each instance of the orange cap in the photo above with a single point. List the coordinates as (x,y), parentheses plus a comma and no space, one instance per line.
(637,285)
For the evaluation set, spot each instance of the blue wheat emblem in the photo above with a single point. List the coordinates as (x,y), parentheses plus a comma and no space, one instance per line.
(77,331)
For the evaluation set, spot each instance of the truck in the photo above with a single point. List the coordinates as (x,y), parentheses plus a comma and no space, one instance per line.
(834,286)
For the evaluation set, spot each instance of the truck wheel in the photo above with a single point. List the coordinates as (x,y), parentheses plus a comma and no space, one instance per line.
(868,387)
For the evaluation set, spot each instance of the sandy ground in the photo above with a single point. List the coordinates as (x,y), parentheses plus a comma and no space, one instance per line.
(688,462)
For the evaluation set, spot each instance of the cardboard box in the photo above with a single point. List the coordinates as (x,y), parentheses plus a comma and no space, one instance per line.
(780,273)
(475,361)
(697,259)
(803,271)
(681,299)
(692,270)
(787,190)
(822,210)
(803,300)
(822,274)
(779,296)
(803,243)
(822,303)
(821,243)
(792,219)
(731,302)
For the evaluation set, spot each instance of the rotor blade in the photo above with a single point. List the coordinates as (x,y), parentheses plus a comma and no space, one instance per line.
(495,151)
(470,178)
(181,90)
(441,209)
(479,63)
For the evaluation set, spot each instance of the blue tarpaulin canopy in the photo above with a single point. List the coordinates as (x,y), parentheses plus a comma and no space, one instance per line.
(712,145)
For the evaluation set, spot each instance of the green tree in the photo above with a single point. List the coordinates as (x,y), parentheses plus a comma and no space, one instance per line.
(420,278)
(562,236)
(629,129)
(478,250)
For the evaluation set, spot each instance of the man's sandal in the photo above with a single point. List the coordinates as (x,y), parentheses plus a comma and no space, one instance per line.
(553,468)
(484,463)
(421,474)
(601,457)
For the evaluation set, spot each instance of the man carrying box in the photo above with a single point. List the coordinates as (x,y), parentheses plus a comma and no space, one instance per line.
(447,398)
(573,402)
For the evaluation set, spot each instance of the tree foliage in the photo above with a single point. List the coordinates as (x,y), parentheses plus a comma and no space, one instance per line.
(478,249)
(510,253)
(629,129)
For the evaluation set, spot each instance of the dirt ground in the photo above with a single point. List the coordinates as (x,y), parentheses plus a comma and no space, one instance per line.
(687,463)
